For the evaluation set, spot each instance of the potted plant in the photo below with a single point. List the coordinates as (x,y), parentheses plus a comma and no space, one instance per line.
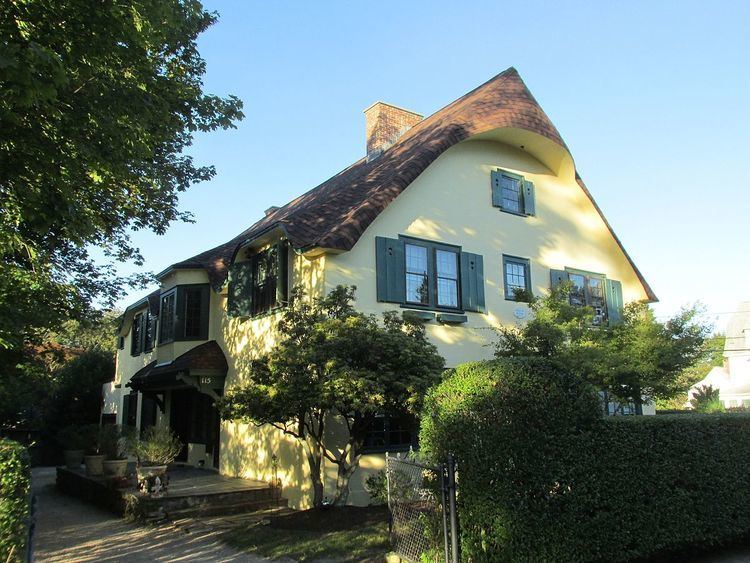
(94,458)
(157,448)
(73,442)
(115,447)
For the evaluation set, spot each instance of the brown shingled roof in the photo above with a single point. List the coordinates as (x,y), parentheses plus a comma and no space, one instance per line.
(336,213)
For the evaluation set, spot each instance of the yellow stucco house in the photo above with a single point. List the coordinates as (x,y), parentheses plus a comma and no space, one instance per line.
(445,216)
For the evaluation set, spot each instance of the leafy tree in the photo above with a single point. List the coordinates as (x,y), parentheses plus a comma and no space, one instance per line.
(77,396)
(58,381)
(706,400)
(98,103)
(712,356)
(638,358)
(334,363)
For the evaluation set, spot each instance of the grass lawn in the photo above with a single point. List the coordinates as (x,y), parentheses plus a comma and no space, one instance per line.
(347,533)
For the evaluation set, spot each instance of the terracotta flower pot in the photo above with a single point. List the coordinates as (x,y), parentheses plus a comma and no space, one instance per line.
(153,479)
(73,458)
(115,467)
(94,465)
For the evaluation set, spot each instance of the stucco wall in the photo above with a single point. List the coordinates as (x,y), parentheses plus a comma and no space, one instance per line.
(450,202)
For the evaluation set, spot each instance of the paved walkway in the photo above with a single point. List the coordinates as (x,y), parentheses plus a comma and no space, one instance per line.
(68,530)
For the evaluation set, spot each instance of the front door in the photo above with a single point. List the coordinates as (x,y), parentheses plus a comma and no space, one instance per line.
(194,418)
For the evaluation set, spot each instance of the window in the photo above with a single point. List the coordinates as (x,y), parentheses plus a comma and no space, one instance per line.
(193,311)
(265,271)
(447,278)
(184,313)
(136,335)
(417,279)
(588,289)
(259,284)
(517,278)
(142,337)
(430,275)
(166,316)
(130,409)
(391,433)
(149,336)
(512,193)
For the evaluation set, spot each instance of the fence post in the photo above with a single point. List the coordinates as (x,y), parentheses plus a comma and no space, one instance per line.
(446,511)
(455,539)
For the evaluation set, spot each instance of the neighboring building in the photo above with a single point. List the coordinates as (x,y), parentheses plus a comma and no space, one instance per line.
(446,215)
(733,378)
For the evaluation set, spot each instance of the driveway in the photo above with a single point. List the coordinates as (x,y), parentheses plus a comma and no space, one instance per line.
(70,530)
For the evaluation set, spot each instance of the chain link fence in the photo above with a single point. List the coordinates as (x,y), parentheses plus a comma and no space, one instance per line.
(419,500)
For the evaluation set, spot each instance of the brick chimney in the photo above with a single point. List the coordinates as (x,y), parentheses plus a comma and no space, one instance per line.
(384,124)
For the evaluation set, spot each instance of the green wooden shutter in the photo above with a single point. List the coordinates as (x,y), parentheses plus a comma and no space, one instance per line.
(390,265)
(240,294)
(282,276)
(529,205)
(557,277)
(472,282)
(497,189)
(614,301)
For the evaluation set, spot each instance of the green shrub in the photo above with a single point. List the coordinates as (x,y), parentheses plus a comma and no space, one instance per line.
(543,478)
(158,446)
(15,482)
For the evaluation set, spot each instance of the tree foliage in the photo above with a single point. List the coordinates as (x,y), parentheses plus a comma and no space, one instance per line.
(640,357)
(58,381)
(98,103)
(333,362)
(706,399)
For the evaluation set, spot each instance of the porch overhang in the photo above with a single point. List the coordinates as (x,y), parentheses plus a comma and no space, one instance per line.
(203,368)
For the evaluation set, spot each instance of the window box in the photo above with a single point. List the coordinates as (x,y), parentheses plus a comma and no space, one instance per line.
(452,319)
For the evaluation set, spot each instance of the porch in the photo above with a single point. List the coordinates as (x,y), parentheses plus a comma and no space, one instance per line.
(191,492)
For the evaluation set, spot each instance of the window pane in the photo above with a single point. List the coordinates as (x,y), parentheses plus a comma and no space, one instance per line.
(166,320)
(515,277)
(447,264)
(577,289)
(596,292)
(447,292)
(265,265)
(511,193)
(135,335)
(416,259)
(417,290)
(193,308)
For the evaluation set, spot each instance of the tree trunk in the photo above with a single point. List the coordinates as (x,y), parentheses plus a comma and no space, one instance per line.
(348,464)
(346,470)
(314,460)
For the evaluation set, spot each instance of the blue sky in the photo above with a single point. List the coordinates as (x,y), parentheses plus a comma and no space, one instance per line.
(652,98)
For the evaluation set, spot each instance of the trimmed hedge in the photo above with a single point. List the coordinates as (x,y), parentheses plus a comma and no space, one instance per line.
(15,483)
(542,477)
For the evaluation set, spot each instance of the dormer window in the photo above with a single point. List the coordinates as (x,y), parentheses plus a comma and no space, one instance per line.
(259,284)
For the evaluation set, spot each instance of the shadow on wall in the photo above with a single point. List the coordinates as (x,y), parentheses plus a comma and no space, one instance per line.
(247,450)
